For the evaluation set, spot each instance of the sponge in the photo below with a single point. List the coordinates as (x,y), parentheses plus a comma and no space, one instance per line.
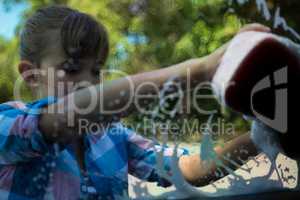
(259,76)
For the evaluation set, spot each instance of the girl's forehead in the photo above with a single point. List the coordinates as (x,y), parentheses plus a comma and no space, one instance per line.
(55,55)
(54,51)
(53,48)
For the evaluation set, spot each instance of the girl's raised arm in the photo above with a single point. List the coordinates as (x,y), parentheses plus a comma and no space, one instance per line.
(118,98)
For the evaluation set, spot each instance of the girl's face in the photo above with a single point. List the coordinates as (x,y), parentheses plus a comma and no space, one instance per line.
(59,76)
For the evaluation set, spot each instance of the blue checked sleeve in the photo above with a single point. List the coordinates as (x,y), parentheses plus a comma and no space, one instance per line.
(142,157)
(20,138)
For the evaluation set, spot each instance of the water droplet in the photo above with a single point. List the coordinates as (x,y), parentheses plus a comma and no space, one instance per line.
(60,73)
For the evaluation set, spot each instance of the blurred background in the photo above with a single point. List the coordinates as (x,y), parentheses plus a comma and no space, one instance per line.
(151,34)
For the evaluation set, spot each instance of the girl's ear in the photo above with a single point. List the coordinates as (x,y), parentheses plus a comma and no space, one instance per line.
(29,72)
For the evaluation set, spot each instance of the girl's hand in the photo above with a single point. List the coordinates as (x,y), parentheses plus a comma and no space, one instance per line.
(213,60)
(255,27)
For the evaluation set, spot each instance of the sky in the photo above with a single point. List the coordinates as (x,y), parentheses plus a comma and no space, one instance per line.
(9,19)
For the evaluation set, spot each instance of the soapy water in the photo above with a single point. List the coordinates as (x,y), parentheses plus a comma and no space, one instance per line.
(262,7)
(264,173)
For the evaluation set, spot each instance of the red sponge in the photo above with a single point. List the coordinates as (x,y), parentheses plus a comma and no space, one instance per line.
(259,76)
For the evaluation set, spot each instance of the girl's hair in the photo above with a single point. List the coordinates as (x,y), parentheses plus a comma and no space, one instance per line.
(80,35)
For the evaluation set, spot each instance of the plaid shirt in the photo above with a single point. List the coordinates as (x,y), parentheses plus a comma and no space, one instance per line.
(30,168)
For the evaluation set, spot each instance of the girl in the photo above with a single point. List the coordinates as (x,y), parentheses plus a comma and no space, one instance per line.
(44,153)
